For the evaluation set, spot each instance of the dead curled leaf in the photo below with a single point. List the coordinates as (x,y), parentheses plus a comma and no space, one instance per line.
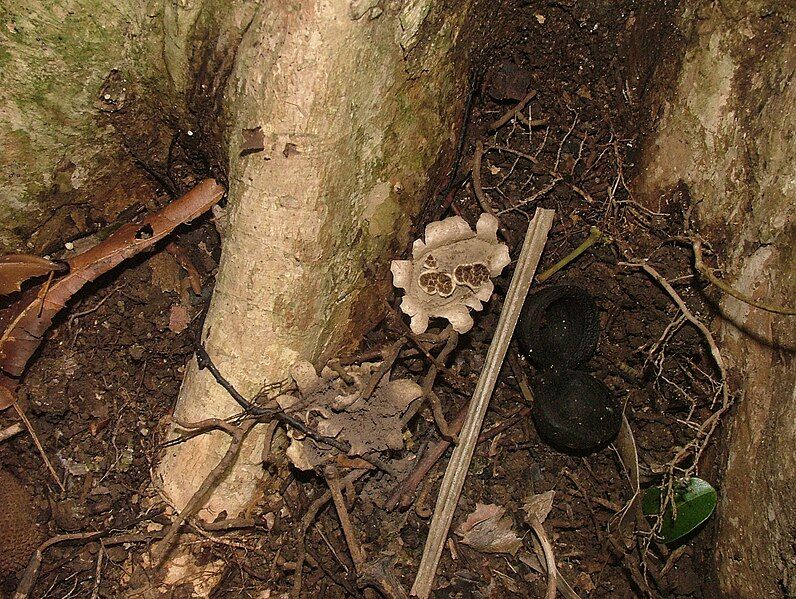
(488,529)
(24,323)
(15,269)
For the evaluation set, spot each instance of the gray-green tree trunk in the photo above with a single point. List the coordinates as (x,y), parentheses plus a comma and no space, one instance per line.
(729,133)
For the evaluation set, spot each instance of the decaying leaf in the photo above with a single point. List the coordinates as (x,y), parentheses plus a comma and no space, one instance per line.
(539,505)
(24,323)
(450,272)
(335,409)
(179,319)
(490,530)
(625,445)
(15,269)
(7,396)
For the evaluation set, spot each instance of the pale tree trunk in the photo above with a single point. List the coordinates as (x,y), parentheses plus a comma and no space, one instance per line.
(358,103)
(728,133)
(355,107)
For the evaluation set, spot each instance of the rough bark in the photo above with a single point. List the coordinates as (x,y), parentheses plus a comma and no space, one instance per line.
(728,131)
(355,107)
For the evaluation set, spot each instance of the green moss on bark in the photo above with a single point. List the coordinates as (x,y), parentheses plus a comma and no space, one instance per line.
(55,57)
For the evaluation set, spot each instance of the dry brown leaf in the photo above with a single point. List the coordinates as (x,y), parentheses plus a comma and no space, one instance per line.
(488,529)
(628,453)
(539,505)
(184,260)
(15,269)
(336,410)
(179,319)
(584,583)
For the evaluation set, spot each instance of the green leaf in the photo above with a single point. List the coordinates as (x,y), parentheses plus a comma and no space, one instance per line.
(694,502)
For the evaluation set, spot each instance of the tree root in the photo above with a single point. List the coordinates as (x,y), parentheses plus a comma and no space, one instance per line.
(428,384)
(332,476)
(707,272)
(238,434)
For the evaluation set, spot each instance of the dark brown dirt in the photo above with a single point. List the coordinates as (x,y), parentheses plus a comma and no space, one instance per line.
(111,368)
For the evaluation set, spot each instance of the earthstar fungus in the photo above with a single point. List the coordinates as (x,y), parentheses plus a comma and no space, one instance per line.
(450,272)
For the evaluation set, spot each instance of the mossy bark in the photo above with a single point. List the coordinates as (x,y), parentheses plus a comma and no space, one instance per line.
(728,132)
(58,62)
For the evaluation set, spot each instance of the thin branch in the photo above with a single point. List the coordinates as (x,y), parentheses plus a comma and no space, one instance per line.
(456,473)
(535,196)
(306,522)
(532,159)
(708,336)
(702,268)
(457,162)
(97,306)
(38,445)
(431,396)
(512,113)
(595,235)
(31,572)
(706,430)
(332,476)
(483,199)
(389,359)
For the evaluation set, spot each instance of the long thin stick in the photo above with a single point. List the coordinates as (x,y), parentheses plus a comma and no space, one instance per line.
(306,522)
(452,484)
(595,235)
(498,123)
(38,445)
(332,476)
